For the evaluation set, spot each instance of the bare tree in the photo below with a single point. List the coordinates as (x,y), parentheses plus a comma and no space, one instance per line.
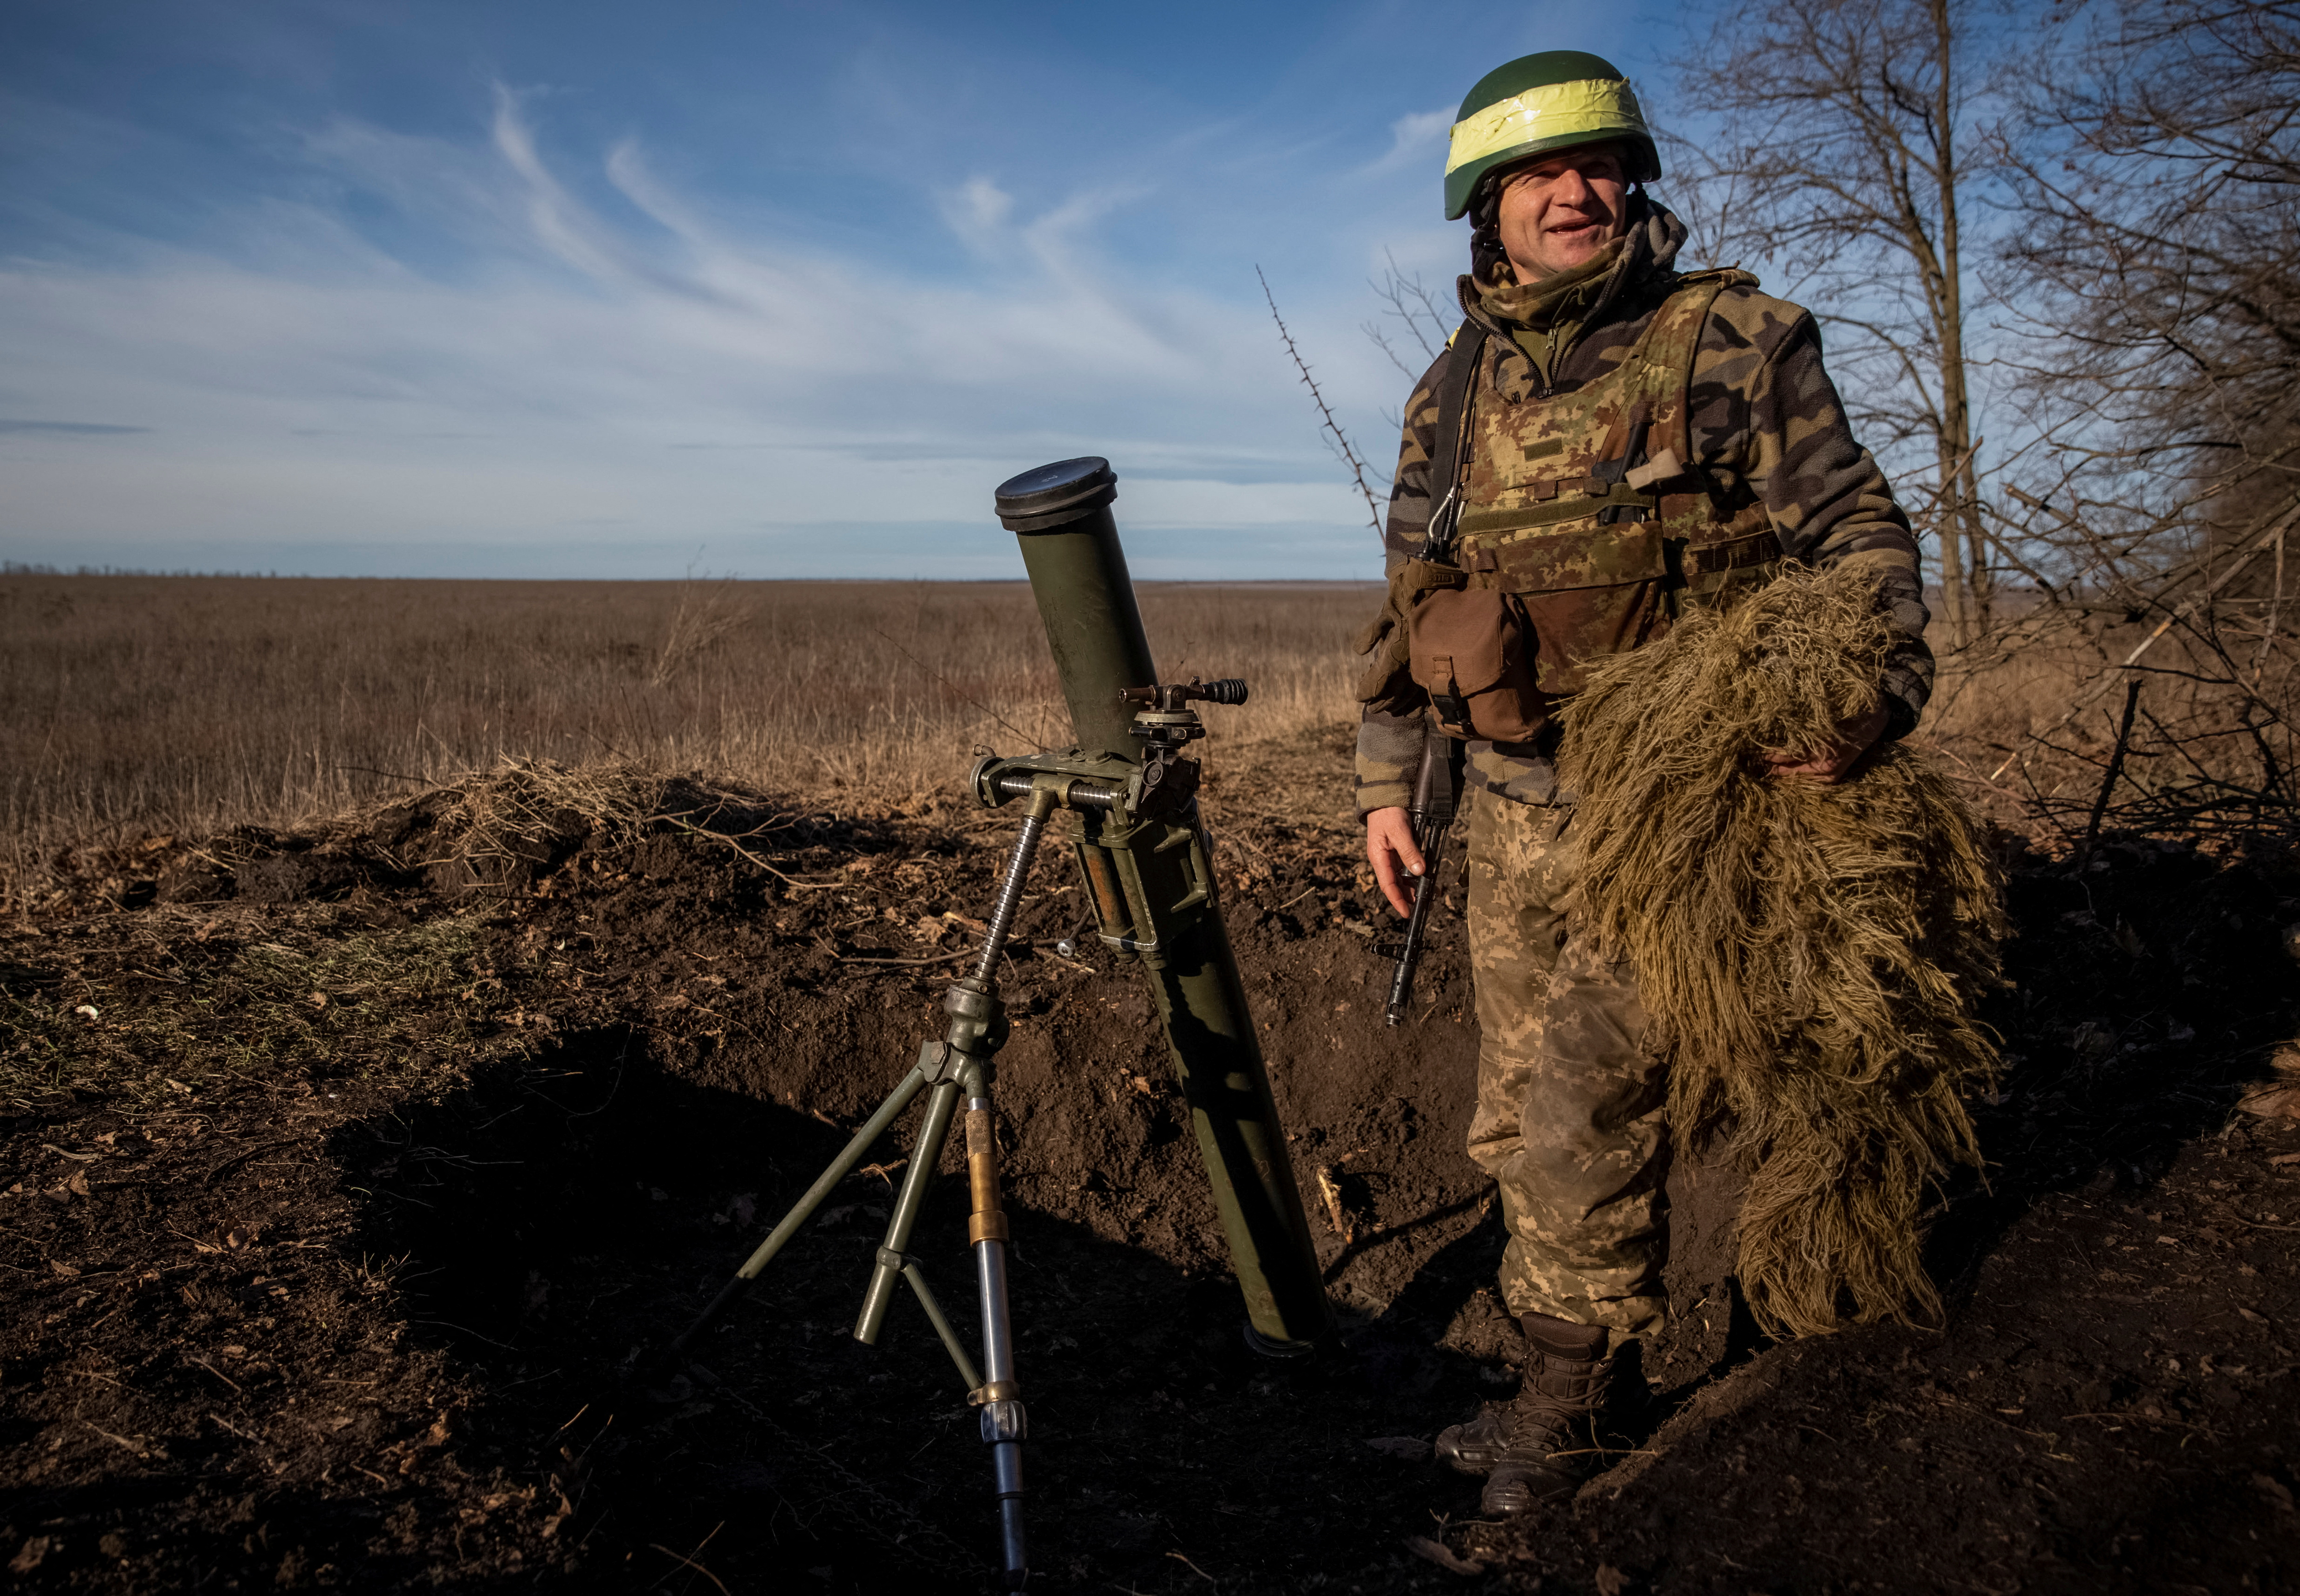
(2153,282)
(1846,156)
(2157,266)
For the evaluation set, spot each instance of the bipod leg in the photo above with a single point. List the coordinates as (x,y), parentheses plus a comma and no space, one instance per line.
(925,1154)
(825,1183)
(1004,1425)
(977,1030)
(935,1316)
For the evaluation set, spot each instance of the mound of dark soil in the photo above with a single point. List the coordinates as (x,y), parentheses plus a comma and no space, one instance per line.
(344,1233)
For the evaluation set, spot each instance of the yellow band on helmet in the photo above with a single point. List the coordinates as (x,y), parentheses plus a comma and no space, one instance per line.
(1594,105)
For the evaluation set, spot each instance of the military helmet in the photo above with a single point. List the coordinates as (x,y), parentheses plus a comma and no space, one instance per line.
(1536,104)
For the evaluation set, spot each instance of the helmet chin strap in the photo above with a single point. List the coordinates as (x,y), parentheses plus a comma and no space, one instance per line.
(1485,253)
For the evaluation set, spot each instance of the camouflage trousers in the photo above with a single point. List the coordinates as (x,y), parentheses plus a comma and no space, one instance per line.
(1570,1119)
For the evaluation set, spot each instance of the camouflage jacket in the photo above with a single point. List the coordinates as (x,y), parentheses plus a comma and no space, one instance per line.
(1765,421)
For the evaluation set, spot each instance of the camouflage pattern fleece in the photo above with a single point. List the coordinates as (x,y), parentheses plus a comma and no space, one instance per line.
(1765,422)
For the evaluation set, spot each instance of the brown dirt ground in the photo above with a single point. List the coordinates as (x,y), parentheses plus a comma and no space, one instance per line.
(341,1240)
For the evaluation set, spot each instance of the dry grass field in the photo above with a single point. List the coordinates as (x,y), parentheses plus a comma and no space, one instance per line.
(134,705)
(141,707)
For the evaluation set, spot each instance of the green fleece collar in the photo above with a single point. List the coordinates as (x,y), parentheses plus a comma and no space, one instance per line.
(1543,304)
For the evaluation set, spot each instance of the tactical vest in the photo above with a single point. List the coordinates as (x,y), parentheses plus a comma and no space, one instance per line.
(1586,512)
(1588,507)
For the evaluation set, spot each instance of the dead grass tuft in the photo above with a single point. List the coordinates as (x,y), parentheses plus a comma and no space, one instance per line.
(522,814)
(136,709)
(1810,955)
(708,615)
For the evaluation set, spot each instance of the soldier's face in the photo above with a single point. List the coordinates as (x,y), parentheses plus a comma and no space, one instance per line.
(1557,213)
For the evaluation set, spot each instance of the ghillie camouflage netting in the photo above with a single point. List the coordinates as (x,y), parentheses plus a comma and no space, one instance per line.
(1810,955)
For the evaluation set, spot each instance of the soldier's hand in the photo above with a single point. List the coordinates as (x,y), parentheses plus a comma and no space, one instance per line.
(1854,737)
(1390,850)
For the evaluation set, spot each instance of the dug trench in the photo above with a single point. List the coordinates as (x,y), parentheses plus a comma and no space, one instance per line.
(356,1183)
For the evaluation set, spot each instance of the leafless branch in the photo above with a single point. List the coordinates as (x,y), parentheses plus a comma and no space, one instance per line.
(1338,439)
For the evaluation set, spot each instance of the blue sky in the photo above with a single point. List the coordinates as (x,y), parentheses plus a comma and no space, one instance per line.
(369,286)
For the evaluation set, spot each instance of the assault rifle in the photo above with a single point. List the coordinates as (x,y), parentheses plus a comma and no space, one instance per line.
(1436,791)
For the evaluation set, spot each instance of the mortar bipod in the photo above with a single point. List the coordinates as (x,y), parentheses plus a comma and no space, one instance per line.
(959,1065)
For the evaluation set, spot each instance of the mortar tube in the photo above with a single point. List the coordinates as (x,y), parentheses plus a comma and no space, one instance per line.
(1061,516)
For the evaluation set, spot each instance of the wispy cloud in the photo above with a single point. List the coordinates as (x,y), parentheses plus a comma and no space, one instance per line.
(977,212)
(684,380)
(69,428)
(1414,138)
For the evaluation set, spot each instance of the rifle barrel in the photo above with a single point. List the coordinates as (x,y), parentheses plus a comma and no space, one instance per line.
(1401,981)
(1432,816)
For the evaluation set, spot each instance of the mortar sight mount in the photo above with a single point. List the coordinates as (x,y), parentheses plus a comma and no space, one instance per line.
(1162,783)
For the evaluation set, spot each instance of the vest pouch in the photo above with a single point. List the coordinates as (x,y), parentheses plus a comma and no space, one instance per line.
(1472,651)
(1386,675)
(1587,593)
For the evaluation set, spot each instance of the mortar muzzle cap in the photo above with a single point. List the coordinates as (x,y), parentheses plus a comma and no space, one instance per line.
(1055,495)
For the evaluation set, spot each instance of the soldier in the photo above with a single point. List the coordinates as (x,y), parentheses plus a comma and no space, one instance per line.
(1606,440)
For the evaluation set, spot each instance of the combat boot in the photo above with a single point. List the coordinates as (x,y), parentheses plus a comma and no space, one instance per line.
(1545,1441)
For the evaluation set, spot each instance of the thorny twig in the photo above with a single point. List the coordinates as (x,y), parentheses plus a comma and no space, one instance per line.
(1326,423)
